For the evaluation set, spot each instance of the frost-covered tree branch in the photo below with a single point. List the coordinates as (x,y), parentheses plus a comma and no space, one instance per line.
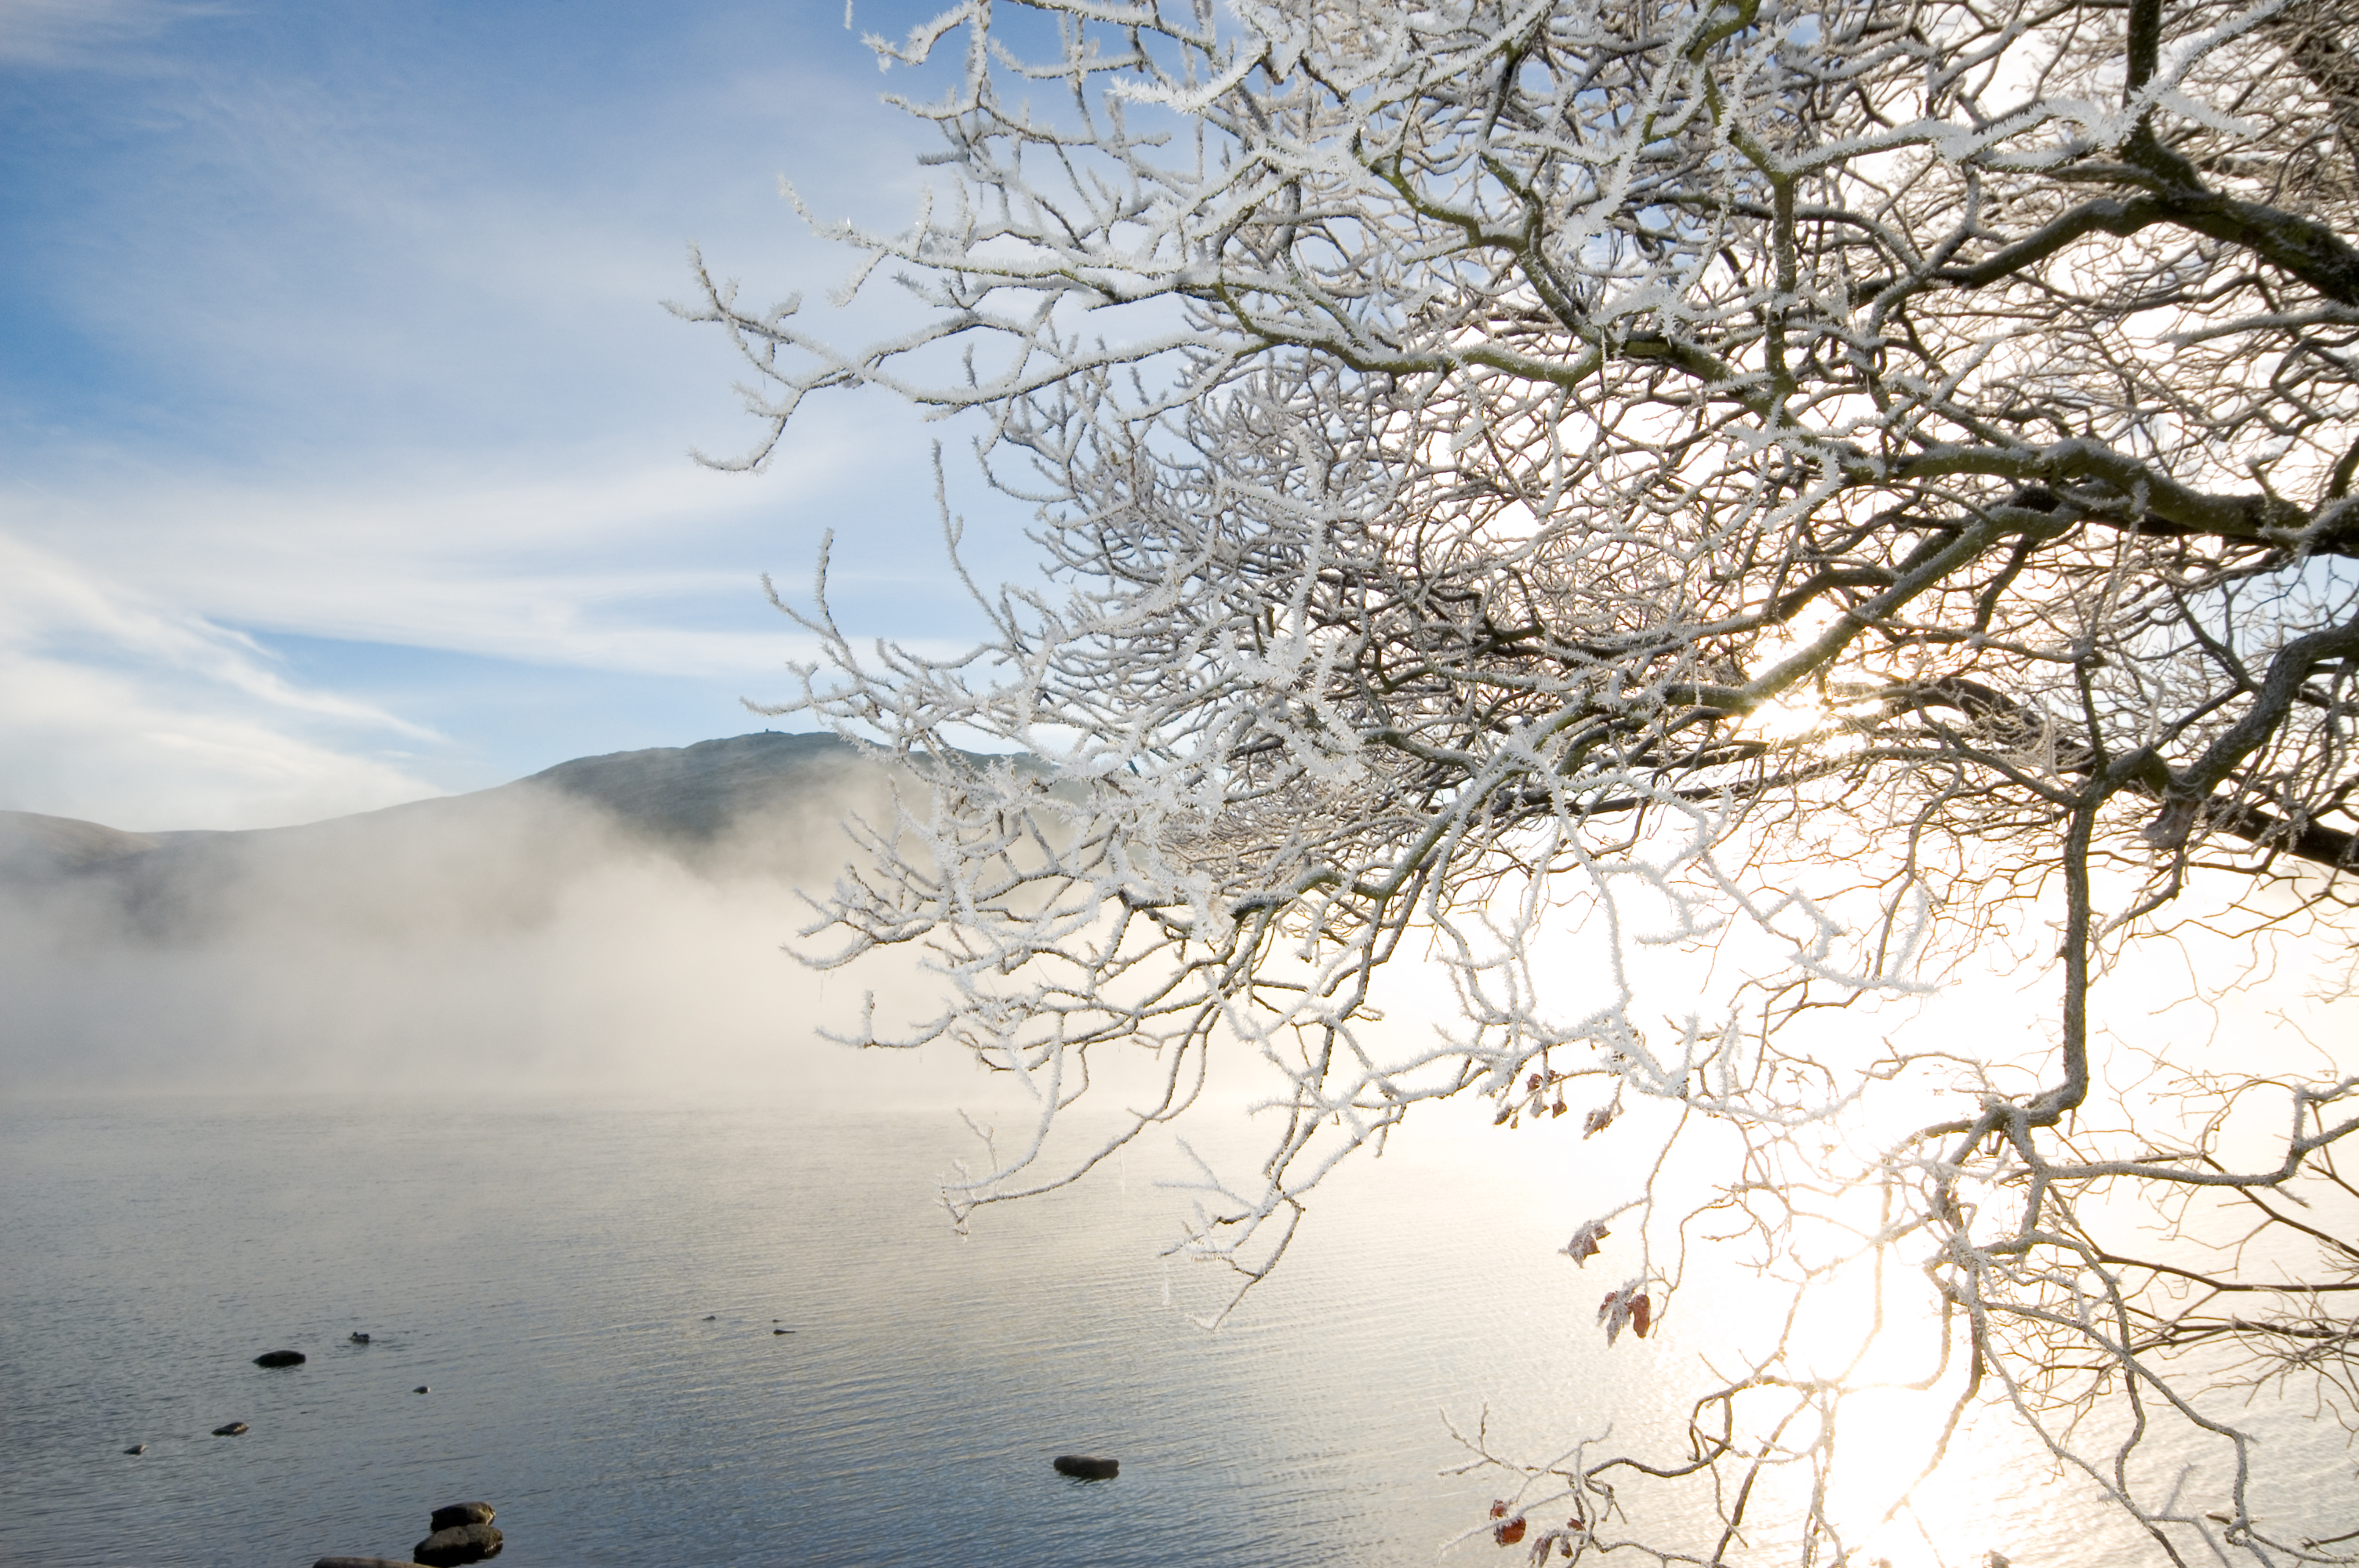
(1695,524)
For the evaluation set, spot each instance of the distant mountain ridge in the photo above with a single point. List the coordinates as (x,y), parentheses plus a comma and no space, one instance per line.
(683,792)
(764,803)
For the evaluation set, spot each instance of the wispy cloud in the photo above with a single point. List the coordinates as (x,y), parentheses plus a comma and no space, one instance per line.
(109,747)
(137,614)
(46,604)
(141,714)
(652,569)
(56,33)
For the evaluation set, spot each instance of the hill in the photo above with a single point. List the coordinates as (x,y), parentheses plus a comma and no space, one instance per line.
(612,923)
(760,806)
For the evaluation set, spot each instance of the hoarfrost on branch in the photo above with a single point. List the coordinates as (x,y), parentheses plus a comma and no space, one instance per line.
(1699,523)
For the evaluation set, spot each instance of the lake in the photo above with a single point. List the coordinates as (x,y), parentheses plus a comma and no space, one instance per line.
(589,1294)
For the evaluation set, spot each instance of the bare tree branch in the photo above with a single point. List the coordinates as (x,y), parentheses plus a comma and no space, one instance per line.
(1692,522)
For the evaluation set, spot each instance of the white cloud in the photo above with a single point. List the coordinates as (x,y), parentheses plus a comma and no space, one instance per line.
(44,601)
(115,707)
(652,570)
(134,688)
(90,744)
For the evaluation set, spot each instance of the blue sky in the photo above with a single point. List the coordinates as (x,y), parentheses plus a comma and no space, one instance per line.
(342,434)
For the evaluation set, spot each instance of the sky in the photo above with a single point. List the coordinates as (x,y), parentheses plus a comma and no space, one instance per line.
(344,438)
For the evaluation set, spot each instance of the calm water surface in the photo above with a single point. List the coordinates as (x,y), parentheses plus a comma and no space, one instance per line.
(590,1296)
(548,1274)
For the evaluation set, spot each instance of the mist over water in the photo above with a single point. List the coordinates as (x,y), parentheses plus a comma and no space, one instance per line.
(532,939)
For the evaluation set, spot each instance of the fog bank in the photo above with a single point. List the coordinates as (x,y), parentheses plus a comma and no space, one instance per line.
(612,925)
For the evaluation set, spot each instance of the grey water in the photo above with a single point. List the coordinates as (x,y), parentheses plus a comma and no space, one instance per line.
(590,1296)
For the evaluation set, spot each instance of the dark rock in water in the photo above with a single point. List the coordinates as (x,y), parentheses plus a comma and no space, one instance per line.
(467,1543)
(1082,1467)
(362,1562)
(713,1317)
(279,1358)
(136,1448)
(421,1389)
(782,1331)
(360,1339)
(451,1516)
(234,1429)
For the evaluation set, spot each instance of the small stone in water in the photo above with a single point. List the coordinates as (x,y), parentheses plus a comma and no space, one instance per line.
(279,1358)
(360,1339)
(234,1429)
(421,1389)
(136,1448)
(451,1548)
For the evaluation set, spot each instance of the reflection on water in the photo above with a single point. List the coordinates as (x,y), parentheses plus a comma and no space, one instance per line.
(590,1296)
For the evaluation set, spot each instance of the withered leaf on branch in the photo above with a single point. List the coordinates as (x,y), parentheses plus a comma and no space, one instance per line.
(1627,1306)
(1584,1245)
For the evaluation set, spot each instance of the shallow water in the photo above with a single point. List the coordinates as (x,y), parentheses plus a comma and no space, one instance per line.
(589,1293)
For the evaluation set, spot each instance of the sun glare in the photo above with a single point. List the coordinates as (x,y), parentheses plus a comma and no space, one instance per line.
(1789,720)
